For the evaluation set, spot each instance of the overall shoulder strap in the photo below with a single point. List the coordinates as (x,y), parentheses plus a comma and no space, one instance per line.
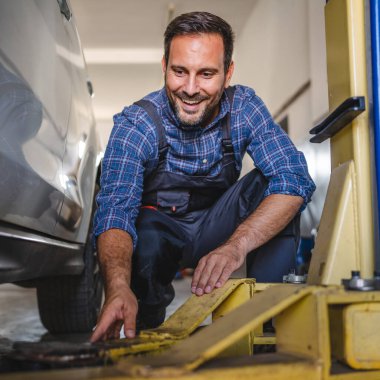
(151,110)
(230,91)
(227,141)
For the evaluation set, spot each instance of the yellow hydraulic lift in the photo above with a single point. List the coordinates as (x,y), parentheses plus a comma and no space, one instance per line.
(323,330)
(345,238)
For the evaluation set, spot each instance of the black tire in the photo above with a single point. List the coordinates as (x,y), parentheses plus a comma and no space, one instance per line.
(71,304)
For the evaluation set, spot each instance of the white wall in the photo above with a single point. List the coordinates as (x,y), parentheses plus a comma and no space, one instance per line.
(318,66)
(272,53)
(281,48)
(103,127)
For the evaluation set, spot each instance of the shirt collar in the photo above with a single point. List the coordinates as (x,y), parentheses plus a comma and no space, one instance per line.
(170,114)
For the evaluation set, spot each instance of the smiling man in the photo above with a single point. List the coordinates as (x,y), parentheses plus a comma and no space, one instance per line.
(170,195)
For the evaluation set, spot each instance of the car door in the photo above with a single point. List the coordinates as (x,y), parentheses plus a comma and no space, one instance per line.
(35,102)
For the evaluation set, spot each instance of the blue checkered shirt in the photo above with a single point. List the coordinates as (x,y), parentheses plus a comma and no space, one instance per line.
(133,147)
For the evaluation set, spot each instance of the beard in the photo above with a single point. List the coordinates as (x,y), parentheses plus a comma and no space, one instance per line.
(195,118)
(190,119)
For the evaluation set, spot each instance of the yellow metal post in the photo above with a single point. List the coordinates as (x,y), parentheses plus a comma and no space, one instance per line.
(347,236)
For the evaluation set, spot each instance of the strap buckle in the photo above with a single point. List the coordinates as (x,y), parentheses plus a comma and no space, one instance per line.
(227,146)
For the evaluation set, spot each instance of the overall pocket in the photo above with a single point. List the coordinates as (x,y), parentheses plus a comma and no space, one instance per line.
(173,201)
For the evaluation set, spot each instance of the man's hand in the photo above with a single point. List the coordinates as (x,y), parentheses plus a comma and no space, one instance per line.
(272,215)
(214,269)
(120,308)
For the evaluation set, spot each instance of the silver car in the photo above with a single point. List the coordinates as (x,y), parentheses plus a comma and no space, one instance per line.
(49,163)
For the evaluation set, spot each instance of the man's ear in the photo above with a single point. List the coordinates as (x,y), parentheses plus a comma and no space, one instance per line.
(163,64)
(229,73)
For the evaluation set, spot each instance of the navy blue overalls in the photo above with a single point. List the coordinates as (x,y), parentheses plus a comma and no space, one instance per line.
(185,217)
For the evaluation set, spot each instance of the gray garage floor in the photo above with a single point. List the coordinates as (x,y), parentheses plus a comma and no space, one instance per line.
(19,318)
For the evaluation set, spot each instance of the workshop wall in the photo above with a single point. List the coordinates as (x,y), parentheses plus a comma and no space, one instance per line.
(281,53)
(282,47)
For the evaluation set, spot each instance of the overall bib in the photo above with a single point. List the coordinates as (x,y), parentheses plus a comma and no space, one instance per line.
(185,217)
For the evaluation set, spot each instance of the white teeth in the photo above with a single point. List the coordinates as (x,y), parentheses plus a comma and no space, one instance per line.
(190,102)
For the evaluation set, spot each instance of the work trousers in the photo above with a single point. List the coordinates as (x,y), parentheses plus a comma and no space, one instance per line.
(167,243)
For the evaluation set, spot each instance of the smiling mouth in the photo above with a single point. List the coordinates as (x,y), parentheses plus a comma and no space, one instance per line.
(191,102)
(190,107)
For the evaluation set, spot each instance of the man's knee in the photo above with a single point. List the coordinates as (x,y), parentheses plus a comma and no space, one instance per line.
(160,242)
(273,260)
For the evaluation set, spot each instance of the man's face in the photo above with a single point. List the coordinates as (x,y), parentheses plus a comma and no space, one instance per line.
(195,77)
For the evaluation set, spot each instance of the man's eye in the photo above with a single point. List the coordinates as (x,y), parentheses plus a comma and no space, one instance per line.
(179,72)
(207,74)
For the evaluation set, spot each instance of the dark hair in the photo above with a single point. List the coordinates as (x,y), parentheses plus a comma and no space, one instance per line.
(198,23)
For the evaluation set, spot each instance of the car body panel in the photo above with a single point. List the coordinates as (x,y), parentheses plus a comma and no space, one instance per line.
(48,143)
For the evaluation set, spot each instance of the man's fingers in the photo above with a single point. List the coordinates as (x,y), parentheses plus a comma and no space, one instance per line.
(213,274)
(204,277)
(197,275)
(116,329)
(226,273)
(110,333)
(130,324)
(102,327)
(96,335)
(213,270)
(120,308)
(214,277)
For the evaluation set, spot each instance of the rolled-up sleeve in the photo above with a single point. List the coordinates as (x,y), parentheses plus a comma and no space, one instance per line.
(129,147)
(275,155)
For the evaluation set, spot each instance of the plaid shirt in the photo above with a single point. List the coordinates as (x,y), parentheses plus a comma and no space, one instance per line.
(133,146)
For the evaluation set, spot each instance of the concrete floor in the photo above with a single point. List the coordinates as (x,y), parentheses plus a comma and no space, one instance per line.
(19,318)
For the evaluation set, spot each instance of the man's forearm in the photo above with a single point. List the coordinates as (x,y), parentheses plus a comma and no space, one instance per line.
(115,256)
(272,216)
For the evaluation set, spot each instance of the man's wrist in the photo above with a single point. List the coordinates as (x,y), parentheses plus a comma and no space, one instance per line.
(115,284)
(239,246)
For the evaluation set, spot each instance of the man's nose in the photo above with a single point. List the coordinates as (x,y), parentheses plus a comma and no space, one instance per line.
(191,85)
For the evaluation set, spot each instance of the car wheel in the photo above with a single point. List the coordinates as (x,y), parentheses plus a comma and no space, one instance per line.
(71,304)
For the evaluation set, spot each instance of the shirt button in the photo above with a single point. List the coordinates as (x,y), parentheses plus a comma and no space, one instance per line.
(205,161)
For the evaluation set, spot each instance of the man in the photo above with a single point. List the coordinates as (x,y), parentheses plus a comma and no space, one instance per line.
(169,196)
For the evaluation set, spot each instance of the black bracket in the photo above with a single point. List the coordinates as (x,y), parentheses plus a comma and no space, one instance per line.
(338,119)
(65,10)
